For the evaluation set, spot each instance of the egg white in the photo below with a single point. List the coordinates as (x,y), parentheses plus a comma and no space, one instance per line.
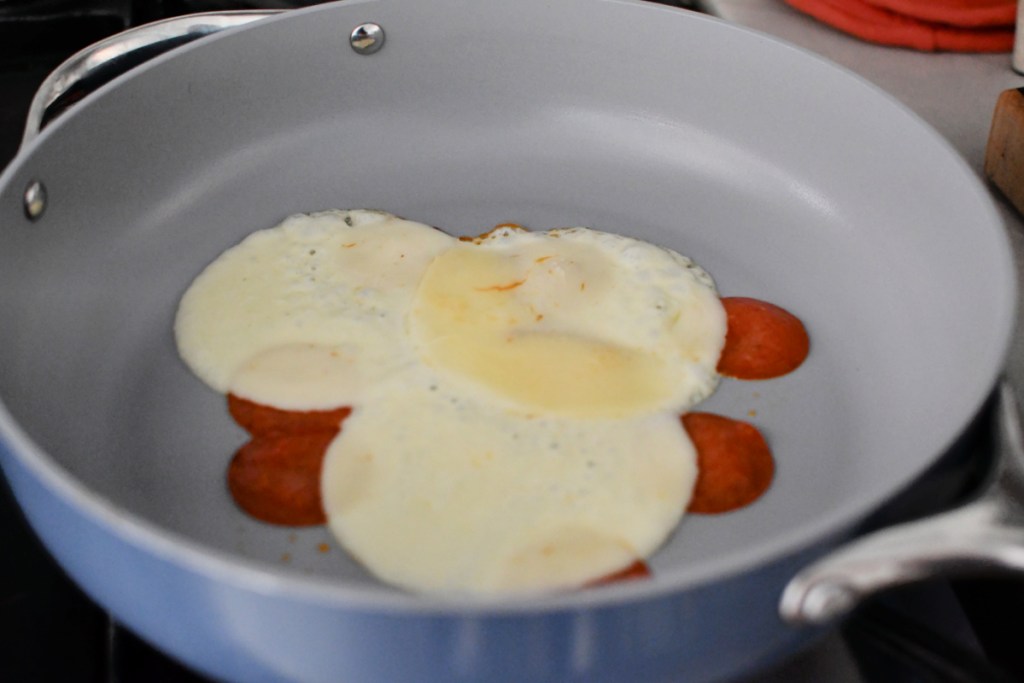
(334,282)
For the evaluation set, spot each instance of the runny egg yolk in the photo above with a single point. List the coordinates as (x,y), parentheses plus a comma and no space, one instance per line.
(515,398)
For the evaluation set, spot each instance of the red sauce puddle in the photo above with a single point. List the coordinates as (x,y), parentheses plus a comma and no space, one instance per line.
(734,464)
(762,340)
(275,476)
(637,570)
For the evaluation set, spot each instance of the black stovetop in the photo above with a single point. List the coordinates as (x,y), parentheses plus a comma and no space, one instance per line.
(50,631)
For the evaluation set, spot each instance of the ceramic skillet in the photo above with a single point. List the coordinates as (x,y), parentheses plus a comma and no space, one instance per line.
(786,177)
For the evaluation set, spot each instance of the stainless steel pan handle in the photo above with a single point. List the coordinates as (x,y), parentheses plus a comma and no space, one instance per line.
(983,537)
(119,53)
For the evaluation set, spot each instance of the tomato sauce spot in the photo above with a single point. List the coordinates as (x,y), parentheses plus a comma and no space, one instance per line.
(637,570)
(762,340)
(261,420)
(275,477)
(734,464)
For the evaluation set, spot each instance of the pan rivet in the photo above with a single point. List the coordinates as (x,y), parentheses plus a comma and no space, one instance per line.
(35,200)
(367,38)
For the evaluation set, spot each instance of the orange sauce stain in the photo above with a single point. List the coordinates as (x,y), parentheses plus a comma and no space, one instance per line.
(275,476)
(762,340)
(734,464)
(500,288)
(632,572)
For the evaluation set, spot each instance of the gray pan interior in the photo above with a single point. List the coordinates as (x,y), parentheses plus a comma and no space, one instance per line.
(786,178)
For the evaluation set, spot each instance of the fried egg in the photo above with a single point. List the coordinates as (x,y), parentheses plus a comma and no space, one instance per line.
(516,397)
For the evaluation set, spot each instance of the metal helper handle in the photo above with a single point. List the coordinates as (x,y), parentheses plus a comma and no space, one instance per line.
(119,53)
(983,537)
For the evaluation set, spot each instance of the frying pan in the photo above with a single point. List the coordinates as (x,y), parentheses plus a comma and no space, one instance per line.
(787,178)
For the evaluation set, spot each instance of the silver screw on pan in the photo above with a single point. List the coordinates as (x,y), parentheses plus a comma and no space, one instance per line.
(367,38)
(35,200)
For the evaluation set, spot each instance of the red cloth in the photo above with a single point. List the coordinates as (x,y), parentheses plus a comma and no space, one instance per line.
(931,25)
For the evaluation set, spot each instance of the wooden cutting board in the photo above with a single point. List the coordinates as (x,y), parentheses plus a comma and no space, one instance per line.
(1004,154)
